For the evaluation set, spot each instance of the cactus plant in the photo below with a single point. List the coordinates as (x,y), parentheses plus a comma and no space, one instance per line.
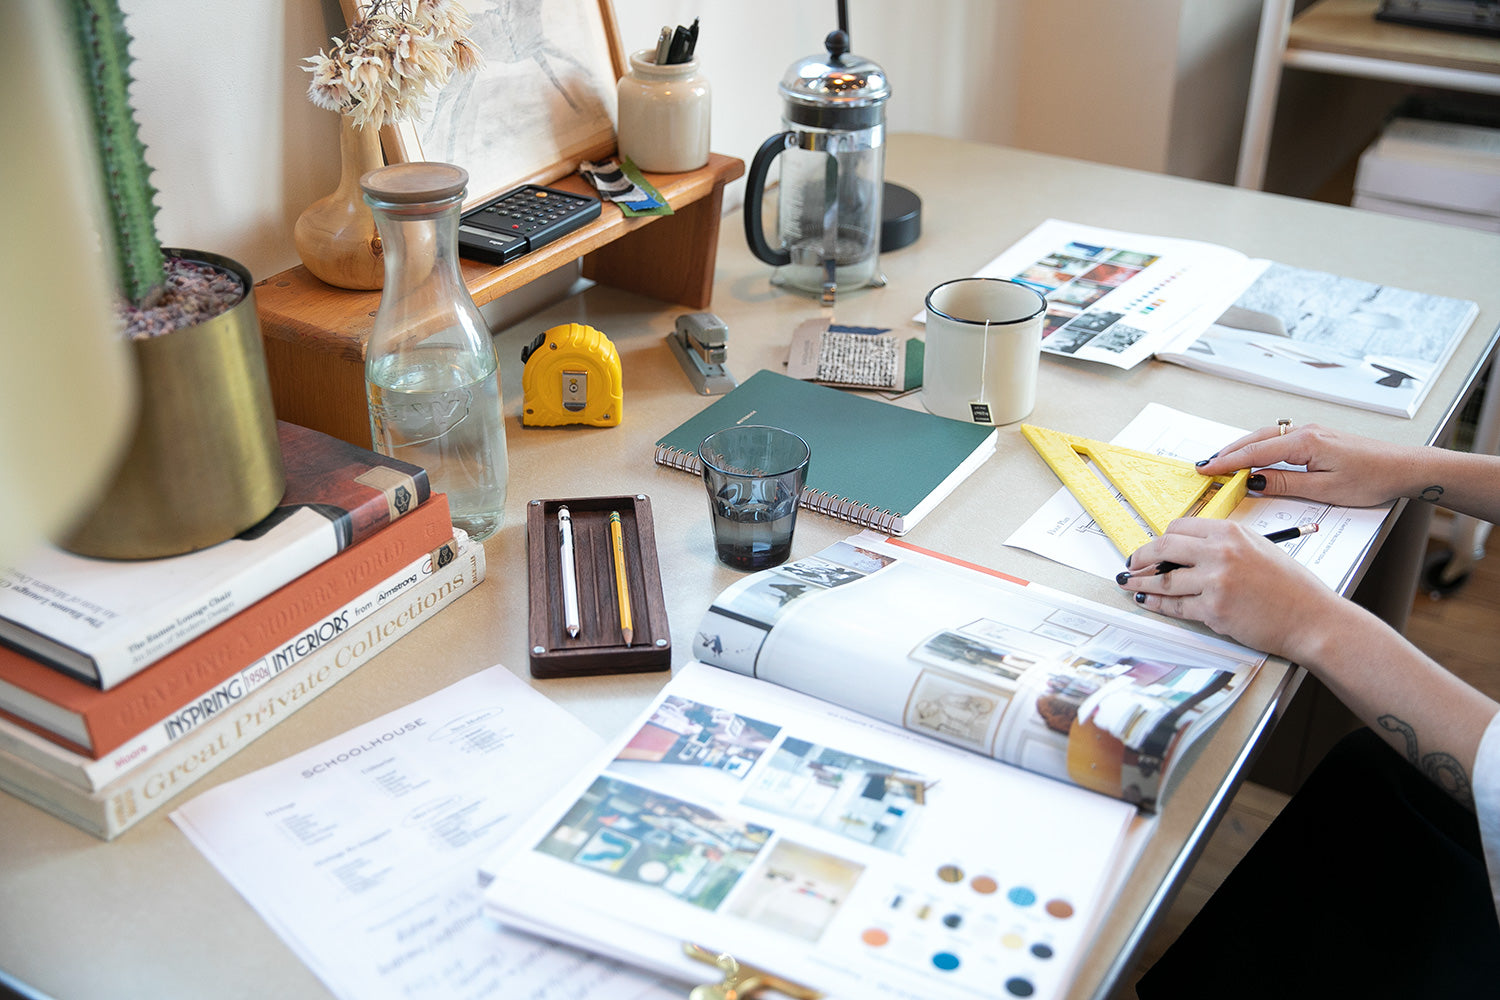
(103,45)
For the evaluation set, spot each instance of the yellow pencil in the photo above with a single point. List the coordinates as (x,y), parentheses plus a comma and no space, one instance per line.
(622,585)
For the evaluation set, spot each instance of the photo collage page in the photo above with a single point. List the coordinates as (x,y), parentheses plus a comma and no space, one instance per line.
(790,832)
(1060,687)
(1073,280)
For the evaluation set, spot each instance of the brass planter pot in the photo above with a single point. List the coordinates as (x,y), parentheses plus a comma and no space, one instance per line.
(204,462)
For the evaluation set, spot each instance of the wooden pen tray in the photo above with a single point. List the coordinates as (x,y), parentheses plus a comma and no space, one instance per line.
(599,647)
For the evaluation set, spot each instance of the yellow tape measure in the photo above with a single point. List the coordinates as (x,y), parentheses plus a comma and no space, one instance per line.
(572,376)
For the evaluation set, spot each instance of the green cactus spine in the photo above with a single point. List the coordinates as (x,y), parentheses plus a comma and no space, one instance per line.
(104,52)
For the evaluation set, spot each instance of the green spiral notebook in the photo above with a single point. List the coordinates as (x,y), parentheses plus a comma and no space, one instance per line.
(873,463)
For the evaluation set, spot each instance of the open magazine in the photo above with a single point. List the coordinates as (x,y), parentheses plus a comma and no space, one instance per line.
(821,802)
(1120,298)
(1034,677)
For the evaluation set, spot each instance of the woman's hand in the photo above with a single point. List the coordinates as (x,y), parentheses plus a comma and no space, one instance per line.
(1238,584)
(1341,468)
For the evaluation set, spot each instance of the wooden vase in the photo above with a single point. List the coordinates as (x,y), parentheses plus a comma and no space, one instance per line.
(335,235)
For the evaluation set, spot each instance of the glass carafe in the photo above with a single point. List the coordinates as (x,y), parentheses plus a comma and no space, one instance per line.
(431,375)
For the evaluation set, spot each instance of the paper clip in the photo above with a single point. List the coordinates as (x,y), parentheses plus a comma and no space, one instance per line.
(740,981)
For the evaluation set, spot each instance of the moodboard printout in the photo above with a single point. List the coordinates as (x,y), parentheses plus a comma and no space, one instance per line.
(362,853)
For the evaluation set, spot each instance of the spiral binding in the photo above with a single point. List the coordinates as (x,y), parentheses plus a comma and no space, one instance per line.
(685,460)
(823,503)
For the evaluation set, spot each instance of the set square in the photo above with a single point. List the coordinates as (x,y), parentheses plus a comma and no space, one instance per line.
(1158,488)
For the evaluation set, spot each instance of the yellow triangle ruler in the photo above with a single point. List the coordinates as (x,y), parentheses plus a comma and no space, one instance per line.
(1159,489)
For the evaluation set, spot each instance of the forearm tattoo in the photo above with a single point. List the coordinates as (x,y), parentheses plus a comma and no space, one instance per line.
(1443,769)
(1432,493)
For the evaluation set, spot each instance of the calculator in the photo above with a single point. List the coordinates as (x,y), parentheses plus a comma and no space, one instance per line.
(521,220)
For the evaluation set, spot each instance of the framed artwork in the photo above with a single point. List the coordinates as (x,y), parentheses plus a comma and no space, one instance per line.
(543,100)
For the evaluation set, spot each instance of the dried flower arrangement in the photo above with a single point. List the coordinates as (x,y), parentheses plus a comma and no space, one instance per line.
(391,55)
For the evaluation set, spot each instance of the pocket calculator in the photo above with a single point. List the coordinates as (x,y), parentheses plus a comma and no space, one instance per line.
(521,220)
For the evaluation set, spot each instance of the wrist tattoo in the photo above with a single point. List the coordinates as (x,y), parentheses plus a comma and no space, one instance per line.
(1431,493)
(1442,769)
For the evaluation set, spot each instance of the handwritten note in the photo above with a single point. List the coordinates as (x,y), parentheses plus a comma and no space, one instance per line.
(362,853)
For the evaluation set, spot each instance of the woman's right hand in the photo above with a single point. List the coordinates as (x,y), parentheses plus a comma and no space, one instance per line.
(1238,584)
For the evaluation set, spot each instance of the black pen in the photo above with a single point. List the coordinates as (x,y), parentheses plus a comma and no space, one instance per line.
(677,52)
(1284,535)
(692,45)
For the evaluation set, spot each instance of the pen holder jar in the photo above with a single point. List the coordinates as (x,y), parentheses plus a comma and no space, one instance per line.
(664,114)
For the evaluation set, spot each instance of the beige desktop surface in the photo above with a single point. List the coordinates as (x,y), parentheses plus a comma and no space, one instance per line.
(146,915)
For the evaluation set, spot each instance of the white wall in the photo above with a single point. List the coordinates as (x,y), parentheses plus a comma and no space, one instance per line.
(239,152)
(949,62)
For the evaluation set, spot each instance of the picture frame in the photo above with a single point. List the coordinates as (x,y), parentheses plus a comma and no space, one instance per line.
(542,101)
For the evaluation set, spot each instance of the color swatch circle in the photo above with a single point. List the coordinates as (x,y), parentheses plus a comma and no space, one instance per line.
(875,937)
(1060,908)
(945,960)
(950,873)
(1018,987)
(1041,950)
(984,885)
(1021,896)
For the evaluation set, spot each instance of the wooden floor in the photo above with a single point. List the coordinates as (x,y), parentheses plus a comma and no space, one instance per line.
(1461,631)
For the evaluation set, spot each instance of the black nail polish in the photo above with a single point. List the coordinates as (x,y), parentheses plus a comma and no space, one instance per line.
(1122,578)
(1256,482)
(1140,597)
(1202,462)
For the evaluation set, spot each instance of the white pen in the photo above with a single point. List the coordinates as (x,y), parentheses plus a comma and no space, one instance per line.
(569,579)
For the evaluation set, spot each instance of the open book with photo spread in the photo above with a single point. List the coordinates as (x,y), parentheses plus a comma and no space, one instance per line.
(890,773)
(1120,298)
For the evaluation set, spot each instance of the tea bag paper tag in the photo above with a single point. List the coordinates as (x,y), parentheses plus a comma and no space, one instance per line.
(979,410)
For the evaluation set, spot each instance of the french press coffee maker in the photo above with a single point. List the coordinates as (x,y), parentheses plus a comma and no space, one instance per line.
(832,173)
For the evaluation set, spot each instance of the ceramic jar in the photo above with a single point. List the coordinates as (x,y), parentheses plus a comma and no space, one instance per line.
(664,115)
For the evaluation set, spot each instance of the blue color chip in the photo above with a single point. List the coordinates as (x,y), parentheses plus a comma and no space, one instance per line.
(947,961)
(1021,896)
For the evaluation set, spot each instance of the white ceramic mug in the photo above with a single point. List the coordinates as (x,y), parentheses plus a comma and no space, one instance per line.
(984,345)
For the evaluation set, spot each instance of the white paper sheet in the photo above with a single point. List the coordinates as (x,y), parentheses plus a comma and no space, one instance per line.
(1063,531)
(362,853)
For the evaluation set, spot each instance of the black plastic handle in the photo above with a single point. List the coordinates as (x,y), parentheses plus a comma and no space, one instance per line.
(755,192)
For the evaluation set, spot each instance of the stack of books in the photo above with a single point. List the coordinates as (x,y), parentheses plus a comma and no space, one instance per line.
(122,683)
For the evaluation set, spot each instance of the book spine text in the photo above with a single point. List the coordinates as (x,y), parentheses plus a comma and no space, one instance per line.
(119,806)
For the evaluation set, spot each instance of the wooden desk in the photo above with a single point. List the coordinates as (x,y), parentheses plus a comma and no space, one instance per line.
(146,915)
(1343,37)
